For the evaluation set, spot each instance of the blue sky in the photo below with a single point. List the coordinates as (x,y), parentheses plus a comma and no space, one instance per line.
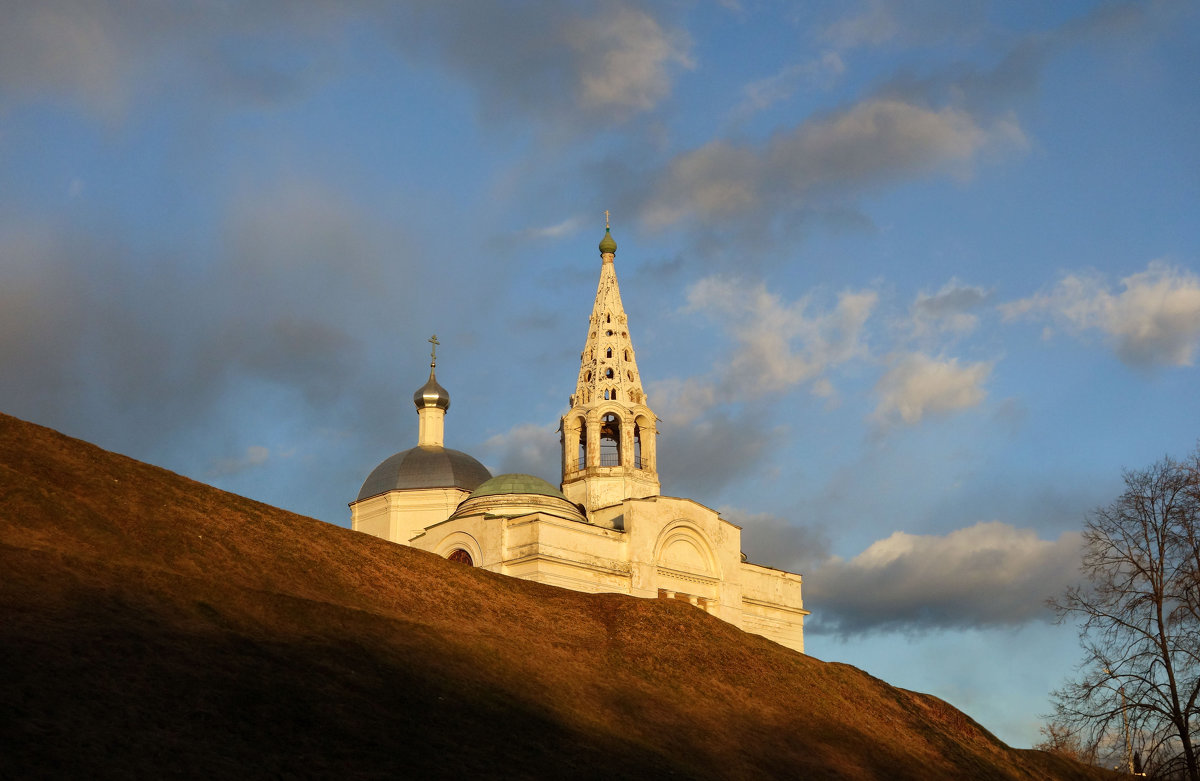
(910,282)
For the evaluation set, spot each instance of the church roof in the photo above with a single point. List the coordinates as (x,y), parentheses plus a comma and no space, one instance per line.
(608,368)
(425,466)
(516,483)
(515,495)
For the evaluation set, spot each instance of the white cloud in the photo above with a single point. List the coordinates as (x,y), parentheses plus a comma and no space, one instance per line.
(918,385)
(558,230)
(820,72)
(683,401)
(896,23)
(779,343)
(625,59)
(991,573)
(1153,320)
(869,144)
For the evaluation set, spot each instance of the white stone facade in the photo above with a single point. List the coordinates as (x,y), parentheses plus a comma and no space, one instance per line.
(609,529)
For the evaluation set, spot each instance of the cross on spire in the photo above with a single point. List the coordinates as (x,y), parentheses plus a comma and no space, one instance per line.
(433,340)
(606,225)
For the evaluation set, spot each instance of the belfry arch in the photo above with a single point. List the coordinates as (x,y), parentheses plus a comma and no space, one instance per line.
(610,440)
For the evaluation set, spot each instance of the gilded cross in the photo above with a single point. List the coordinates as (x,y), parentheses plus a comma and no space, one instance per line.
(606,226)
(433,340)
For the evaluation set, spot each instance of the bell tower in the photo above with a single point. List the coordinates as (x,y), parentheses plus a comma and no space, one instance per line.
(608,435)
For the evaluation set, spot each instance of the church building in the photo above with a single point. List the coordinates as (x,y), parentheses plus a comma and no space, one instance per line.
(607,527)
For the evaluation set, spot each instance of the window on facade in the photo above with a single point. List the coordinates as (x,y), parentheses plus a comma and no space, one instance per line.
(461,556)
(610,440)
(638,462)
(608,353)
(582,455)
(627,355)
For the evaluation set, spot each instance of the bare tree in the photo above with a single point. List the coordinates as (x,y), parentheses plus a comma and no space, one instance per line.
(1139,619)
(1061,739)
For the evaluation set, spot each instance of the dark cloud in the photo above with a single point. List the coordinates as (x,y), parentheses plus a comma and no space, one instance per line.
(563,63)
(107,55)
(699,457)
(567,65)
(1017,72)
(782,543)
(142,351)
(873,143)
(989,574)
(952,299)
(527,448)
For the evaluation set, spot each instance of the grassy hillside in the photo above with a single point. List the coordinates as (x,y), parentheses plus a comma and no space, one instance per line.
(154,626)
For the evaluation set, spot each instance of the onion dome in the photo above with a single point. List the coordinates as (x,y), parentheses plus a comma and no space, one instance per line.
(608,245)
(431,394)
(425,466)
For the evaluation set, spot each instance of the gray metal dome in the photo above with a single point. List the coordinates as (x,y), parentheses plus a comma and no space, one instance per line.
(425,466)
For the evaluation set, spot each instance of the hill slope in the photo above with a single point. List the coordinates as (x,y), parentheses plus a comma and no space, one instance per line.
(151,625)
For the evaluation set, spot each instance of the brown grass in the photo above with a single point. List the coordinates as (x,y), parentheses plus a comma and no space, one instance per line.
(154,626)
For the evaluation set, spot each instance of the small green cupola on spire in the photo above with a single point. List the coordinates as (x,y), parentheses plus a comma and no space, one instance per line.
(608,245)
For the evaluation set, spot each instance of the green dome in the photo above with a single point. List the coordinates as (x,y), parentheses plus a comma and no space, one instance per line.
(608,245)
(516,483)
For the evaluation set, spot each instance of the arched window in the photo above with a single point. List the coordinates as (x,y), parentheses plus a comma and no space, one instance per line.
(638,463)
(461,556)
(628,357)
(608,318)
(608,374)
(588,377)
(610,440)
(608,354)
(629,374)
(582,462)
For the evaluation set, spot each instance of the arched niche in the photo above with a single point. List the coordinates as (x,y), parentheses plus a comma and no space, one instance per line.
(684,547)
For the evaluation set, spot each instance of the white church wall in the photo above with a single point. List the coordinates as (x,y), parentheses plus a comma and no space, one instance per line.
(400,516)
(772,604)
